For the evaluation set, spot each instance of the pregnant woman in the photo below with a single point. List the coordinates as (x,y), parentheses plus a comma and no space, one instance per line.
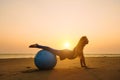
(65,53)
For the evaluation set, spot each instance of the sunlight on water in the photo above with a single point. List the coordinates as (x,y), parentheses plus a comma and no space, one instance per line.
(3,56)
(16,55)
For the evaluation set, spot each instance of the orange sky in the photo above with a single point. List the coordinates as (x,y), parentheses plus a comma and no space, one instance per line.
(53,22)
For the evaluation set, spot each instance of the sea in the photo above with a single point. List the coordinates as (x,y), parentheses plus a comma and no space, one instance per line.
(31,55)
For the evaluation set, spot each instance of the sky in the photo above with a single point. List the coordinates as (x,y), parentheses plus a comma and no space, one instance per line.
(56,22)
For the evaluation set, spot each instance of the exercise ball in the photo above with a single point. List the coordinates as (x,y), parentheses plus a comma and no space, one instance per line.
(45,60)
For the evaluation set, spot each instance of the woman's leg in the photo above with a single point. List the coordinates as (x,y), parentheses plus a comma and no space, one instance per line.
(56,52)
(43,47)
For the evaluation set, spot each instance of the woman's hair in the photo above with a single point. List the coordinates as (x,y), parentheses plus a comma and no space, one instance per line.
(83,41)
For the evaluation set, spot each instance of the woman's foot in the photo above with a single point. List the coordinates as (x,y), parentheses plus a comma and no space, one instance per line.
(33,46)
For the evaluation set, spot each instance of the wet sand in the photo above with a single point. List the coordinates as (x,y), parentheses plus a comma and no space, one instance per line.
(99,68)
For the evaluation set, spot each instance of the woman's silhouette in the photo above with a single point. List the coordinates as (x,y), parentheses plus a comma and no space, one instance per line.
(65,53)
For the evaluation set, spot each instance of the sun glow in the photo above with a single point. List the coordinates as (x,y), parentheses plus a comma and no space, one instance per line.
(67,45)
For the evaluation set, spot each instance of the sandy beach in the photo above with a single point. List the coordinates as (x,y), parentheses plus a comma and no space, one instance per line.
(100,68)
